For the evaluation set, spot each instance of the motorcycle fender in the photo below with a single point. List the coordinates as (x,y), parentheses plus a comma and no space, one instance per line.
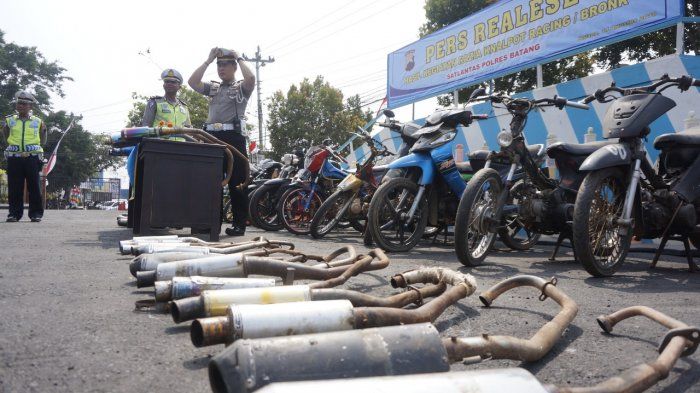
(607,157)
(422,161)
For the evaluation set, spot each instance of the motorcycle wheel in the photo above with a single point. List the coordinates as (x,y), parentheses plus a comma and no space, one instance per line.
(358,224)
(263,208)
(597,241)
(326,218)
(514,234)
(390,202)
(473,239)
(695,240)
(295,218)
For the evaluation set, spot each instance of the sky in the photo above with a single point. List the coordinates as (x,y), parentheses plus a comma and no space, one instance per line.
(112,49)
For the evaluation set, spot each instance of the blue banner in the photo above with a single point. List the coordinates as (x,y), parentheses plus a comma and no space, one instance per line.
(512,35)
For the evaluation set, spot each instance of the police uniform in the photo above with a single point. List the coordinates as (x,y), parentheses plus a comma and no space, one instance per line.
(24,160)
(160,112)
(226,121)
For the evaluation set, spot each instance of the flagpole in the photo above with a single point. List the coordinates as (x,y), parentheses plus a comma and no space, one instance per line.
(52,161)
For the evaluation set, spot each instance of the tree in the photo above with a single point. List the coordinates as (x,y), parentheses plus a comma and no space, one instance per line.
(23,67)
(197,104)
(80,155)
(313,111)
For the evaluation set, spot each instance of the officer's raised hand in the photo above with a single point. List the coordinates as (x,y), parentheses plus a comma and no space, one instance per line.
(213,54)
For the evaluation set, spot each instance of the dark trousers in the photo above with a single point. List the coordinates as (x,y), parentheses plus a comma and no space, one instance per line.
(239,199)
(20,169)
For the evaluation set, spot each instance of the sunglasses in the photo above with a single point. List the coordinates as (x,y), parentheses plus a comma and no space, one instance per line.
(171,81)
(224,63)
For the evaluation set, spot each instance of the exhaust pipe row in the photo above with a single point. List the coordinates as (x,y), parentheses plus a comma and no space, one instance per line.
(680,341)
(215,303)
(333,313)
(249,364)
(245,264)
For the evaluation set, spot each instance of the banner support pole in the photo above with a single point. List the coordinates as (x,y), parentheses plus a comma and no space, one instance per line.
(540,81)
(680,39)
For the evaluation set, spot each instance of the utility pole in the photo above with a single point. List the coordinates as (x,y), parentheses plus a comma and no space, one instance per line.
(259,62)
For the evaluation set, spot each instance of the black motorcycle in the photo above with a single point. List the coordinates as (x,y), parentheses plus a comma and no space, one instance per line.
(522,203)
(262,206)
(623,195)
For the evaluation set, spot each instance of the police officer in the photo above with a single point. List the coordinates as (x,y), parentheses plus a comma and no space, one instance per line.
(25,134)
(226,120)
(167,110)
(163,111)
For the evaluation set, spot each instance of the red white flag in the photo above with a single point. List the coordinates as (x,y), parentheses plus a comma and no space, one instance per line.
(52,159)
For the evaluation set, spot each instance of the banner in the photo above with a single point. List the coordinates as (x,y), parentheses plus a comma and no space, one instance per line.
(512,35)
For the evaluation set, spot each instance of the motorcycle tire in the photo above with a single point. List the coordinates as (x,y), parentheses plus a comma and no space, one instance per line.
(509,238)
(376,210)
(289,202)
(468,253)
(318,229)
(585,209)
(269,221)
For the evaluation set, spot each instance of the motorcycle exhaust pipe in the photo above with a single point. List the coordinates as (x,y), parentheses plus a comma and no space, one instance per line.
(126,245)
(246,321)
(187,245)
(215,303)
(184,287)
(681,340)
(483,381)
(248,365)
(146,262)
(243,265)
(345,354)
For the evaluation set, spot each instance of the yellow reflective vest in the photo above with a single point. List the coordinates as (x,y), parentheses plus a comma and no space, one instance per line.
(24,134)
(168,114)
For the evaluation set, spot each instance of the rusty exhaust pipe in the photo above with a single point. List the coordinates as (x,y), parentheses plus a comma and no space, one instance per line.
(243,265)
(508,347)
(244,321)
(184,287)
(188,245)
(391,350)
(215,303)
(681,340)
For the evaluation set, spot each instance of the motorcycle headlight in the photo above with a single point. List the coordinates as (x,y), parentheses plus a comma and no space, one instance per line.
(505,138)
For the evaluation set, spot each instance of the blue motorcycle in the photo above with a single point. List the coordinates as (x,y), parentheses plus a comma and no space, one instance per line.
(429,191)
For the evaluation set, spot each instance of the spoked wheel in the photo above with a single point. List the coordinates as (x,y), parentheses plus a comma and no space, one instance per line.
(297,208)
(601,243)
(329,214)
(388,216)
(514,234)
(474,233)
(263,208)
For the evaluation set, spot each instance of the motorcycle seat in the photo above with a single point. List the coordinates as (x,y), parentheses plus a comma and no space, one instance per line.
(478,154)
(575,149)
(686,138)
(464,167)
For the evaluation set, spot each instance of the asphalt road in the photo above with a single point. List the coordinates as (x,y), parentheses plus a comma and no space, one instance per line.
(68,322)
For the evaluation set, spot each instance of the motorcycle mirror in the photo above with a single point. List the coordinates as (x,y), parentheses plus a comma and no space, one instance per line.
(477,93)
(388,113)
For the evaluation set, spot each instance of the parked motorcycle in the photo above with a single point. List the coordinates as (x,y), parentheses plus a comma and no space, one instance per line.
(519,206)
(623,195)
(263,202)
(350,201)
(402,207)
(311,186)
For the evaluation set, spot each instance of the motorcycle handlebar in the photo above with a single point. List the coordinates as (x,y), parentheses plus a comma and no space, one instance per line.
(480,116)
(577,105)
(696,82)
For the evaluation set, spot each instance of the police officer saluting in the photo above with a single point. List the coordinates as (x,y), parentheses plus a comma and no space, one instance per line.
(25,133)
(226,120)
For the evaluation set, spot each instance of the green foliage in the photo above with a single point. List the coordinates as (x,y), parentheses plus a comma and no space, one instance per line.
(314,111)
(80,155)
(197,104)
(23,67)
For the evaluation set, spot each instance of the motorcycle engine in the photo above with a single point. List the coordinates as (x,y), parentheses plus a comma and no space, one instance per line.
(545,212)
(657,214)
(356,206)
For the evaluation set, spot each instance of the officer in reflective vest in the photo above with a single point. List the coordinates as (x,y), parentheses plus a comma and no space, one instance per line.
(165,111)
(25,134)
